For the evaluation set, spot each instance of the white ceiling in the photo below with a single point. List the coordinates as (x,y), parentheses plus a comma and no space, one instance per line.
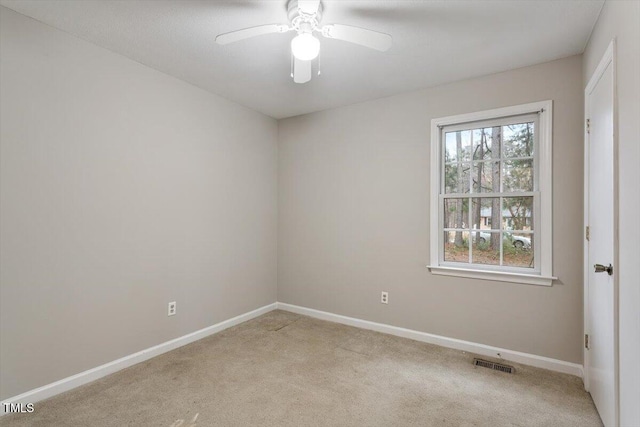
(434,42)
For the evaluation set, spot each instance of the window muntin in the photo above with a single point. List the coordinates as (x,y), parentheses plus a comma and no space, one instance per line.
(489,194)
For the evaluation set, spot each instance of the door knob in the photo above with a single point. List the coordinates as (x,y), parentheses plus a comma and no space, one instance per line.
(601,269)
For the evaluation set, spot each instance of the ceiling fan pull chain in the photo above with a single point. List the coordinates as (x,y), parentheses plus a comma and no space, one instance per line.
(319,56)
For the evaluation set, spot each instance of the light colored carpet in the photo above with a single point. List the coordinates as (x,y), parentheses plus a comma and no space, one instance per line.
(282,369)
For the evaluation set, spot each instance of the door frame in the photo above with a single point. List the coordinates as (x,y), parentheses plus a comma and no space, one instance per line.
(609,58)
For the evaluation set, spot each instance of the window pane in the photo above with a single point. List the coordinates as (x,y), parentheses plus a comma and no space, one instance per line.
(486,177)
(456,213)
(483,253)
(457,146)
(494,135)
(485,213)
(481,139)
(456,178)
(518,175)
(518,140)
(517,213)
(456,252)
(518,250)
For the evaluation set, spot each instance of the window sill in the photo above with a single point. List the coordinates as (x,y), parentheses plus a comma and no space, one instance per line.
(500,276)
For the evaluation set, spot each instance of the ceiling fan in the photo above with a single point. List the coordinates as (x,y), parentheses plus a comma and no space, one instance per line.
(304,18)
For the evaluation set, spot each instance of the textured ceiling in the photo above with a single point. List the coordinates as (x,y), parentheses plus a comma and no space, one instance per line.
(434,42)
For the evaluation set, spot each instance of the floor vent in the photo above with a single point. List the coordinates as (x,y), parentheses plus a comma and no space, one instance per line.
(495,366)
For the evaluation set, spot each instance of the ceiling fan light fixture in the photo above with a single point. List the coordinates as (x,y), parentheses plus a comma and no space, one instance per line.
(305,47)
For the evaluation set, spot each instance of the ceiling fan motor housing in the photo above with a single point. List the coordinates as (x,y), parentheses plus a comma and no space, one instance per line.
(303,22)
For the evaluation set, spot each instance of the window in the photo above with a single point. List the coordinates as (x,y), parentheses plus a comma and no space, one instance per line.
(491,196)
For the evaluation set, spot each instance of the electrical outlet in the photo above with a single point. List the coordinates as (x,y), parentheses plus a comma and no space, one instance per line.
(384,297)
(172,308)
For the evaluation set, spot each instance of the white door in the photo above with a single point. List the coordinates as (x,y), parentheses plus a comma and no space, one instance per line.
(600,297)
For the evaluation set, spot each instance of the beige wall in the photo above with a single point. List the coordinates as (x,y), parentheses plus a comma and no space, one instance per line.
(621,20)
(121,189)
(353,217)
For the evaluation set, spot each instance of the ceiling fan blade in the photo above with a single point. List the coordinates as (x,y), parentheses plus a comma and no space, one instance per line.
(246,33)
(309,6)
(362,36)
(301,70)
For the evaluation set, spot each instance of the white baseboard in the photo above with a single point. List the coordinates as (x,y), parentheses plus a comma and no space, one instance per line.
(471,347)
(93,374)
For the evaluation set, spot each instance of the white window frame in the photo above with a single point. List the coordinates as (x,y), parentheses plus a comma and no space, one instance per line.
(543,243)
